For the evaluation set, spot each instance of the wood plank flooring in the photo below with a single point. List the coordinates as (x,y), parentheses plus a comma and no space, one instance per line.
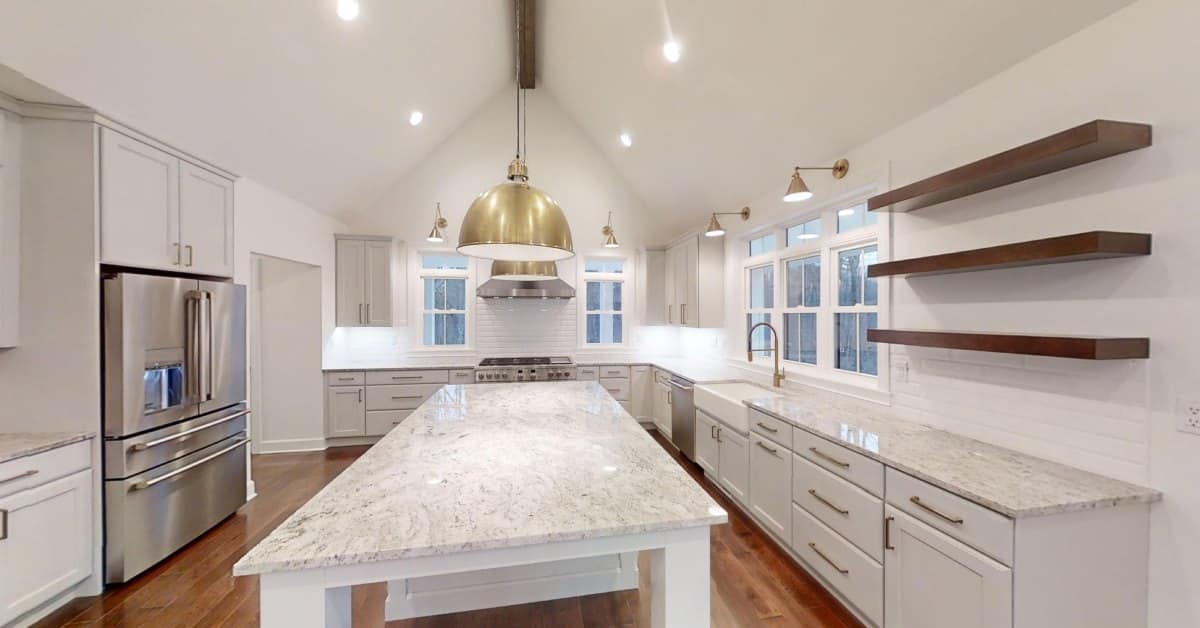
(754,583)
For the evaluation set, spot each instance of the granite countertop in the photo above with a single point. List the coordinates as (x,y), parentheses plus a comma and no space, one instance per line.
(698,371)
(15,445)
(401,365)
(1006,481)
(485,466)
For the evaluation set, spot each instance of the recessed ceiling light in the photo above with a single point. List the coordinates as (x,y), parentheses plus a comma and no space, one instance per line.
(671,51)
(347,9)
(415,118)
(626,141)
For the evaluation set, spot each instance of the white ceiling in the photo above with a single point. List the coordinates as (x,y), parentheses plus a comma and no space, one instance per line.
(284,92)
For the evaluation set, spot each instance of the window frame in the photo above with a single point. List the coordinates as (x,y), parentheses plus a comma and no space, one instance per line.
(826,247)
(625,278)
(417,299)
(857,308)
(747,310)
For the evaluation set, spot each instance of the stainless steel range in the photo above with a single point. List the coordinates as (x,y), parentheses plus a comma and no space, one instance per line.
(525,370)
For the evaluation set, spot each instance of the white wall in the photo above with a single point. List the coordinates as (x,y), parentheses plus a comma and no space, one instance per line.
(562,162)
(1114,418)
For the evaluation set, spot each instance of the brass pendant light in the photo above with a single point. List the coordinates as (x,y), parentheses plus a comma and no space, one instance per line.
(610,237)
(439,223)
(514,221)
(524,271)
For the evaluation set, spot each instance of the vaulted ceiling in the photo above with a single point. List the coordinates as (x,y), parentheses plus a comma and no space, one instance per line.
(284,92)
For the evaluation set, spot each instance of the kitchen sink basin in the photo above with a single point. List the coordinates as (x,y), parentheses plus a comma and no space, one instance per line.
(724,402)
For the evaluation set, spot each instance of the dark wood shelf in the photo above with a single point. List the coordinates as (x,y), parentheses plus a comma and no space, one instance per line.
(1078,347)
(1085,143)
(1069,248)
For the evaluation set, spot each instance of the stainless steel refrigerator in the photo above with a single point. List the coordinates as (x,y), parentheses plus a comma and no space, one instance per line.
(175,412)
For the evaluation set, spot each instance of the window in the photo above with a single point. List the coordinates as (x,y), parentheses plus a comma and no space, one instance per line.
(444,299)
(857,311)
(762,244)
(855,217)
(823,303)
(803,300)
(803,233)
(761,299)
(604,282)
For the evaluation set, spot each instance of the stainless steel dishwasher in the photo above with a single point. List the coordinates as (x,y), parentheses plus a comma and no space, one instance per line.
(683,417)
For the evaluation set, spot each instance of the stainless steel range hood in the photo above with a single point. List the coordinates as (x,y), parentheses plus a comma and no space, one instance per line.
(508,289)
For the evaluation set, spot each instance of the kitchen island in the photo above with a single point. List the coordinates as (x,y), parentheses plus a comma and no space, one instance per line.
(488,476)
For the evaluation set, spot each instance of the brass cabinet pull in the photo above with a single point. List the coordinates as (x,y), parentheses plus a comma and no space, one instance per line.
(935,512)
(813,547)
(712,430)
(20,476)
(360,393)
(345,379)
(767,427)
(817,496)
(407,376)
(360,313)
(178,254)
(367,319)
(669,319)
(719,435)
(190,254)
(397,397)
(821,454)
(683,313)
(774,452)
(887,533)
(3,524)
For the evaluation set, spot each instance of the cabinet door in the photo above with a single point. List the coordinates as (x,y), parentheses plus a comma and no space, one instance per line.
(733,471)
(640,392)
(47,542)
(708,454)
(346,412)
(669,292)
(378,288)
(934,581)
(662,407)
(689,309)
(771,486)
(139,204)
(350,270)
(205,221)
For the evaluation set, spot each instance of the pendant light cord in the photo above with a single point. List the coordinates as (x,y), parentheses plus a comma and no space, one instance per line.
(518,77)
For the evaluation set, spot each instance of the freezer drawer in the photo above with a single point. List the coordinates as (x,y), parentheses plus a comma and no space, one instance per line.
(150,516)
(136,454)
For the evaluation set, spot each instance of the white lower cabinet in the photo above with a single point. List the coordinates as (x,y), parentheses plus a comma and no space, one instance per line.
(662,402)
(45,542)
(708,450)
(934,581)
(733,469)
(641,384)
(345,411)
(856,576)
(771,485)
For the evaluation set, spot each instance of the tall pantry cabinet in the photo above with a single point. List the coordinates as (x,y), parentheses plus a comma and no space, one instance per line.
(695,282)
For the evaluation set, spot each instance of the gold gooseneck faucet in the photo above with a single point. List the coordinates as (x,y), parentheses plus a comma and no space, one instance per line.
(779,375)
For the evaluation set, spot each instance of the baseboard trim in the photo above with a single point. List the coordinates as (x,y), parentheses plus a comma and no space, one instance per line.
(291,445)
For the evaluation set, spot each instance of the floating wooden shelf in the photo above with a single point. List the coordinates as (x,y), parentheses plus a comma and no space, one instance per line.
(1078,347)
(1069,248)
(1088,142)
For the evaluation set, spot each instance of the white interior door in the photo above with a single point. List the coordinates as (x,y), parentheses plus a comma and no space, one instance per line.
(139,204)
(934,581)
(206,221)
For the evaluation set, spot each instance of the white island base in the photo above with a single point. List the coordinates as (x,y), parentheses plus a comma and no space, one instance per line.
(679,577)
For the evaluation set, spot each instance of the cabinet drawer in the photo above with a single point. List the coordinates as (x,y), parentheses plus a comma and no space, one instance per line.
(462,376)
(987,531)
(345,378)
(771,427)
(587,372)
(400,396)
(375,378)
(614,371)
(30,471)
(379,422)
(848,510)
(618,388)
(854,574)
(840,461)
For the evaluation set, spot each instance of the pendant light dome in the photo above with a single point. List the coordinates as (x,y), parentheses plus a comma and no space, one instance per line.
(514,221)
(524,271)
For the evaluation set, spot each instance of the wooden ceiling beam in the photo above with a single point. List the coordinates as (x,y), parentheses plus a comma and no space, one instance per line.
(526,41)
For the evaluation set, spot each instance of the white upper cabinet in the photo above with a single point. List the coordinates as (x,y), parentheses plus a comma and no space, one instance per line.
(364,281)
(10,224)
(158,211)
(691,302)
(206,221)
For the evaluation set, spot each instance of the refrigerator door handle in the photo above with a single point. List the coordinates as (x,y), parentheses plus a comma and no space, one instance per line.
(208,351)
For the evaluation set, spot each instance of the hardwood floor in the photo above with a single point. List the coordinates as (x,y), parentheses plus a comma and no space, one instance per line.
(754,583)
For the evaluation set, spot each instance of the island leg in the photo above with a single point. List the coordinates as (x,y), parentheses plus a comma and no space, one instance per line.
(299,599)
(679,581)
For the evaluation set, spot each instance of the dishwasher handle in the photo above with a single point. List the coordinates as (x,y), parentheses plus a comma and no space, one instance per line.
(681,386)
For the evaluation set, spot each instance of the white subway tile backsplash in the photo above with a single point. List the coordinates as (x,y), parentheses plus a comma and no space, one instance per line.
(517,327)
